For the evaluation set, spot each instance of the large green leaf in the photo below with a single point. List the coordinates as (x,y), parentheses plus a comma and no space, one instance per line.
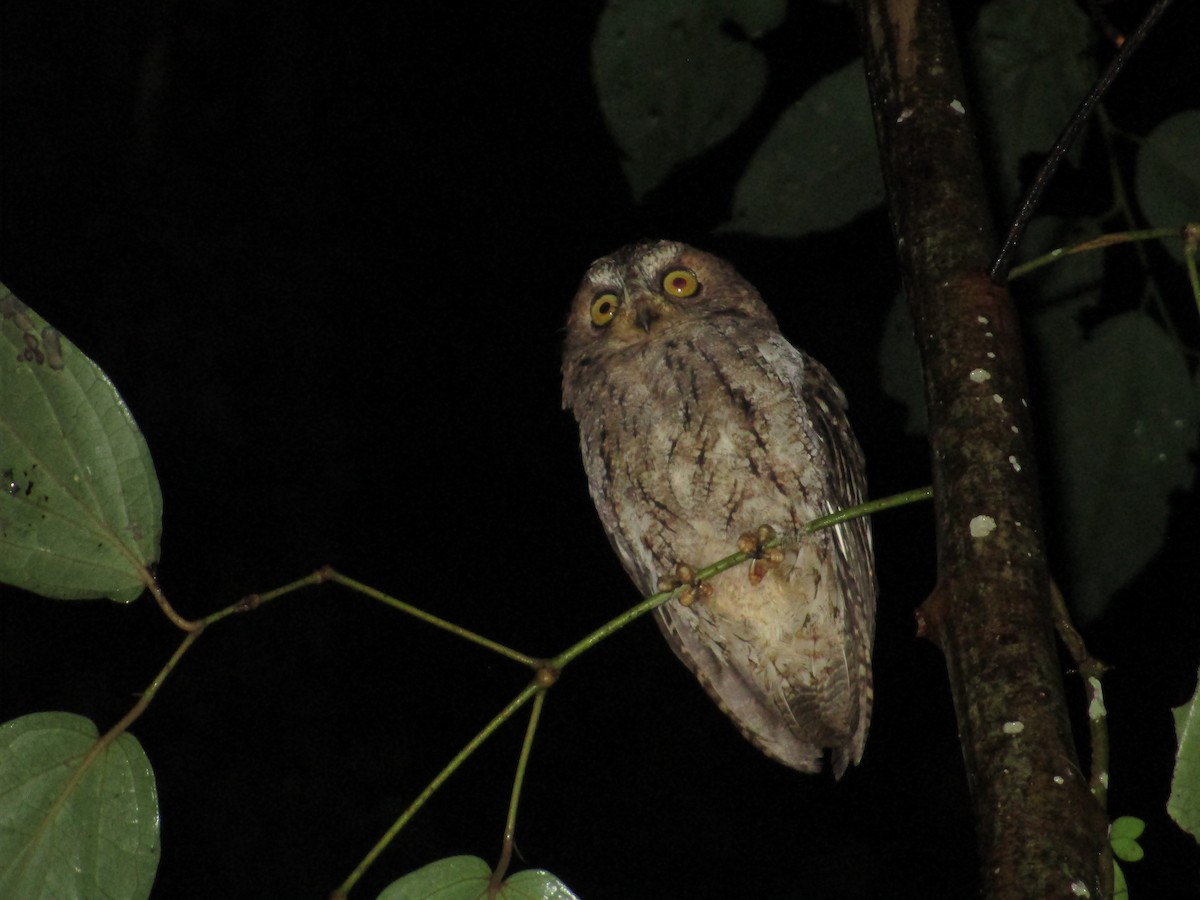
(1184,802)
(1032,65)
(467,878)
(80,506)
(818,169)
(1168,174)
(67,833)
(673,79)
(1123,419)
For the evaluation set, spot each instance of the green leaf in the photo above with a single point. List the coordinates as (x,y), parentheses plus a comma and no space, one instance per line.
(80,506)
(1033,64)
(673,78)
(1123,834)
(1120,888)
(467,878)
(68,833)
(1124,419)
(1130,827)
(1168,174)
(819,168)
(1184,803)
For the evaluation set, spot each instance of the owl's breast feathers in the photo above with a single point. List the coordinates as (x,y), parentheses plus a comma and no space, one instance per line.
(702,433)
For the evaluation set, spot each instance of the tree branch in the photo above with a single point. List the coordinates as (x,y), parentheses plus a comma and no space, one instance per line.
(1041,833)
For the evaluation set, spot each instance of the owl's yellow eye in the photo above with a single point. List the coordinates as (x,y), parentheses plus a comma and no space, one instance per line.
(680,283)
(604,308)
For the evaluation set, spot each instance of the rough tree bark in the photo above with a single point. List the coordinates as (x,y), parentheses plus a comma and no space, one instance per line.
(1041,834)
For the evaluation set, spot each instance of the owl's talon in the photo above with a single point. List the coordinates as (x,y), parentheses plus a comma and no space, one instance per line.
(764,559)
(685,578)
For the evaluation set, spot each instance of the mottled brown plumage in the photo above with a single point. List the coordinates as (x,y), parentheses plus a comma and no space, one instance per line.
(699,423)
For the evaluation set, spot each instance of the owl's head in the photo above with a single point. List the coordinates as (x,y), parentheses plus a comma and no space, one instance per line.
(644,291)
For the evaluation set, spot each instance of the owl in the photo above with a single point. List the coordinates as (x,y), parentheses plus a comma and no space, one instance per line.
(700,424)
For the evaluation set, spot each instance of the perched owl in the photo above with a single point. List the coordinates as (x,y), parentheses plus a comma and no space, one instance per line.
(699,424)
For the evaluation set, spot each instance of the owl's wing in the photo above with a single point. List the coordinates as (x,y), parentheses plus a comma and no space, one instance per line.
(768,690)
(845,486)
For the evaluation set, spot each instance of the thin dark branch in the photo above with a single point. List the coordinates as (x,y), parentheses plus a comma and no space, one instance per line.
(1003,261)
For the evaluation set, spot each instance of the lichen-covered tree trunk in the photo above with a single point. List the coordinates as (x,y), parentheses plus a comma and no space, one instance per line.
(1041,834)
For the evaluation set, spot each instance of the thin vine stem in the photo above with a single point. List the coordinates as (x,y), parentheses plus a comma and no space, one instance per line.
(193,629)
(869,508)
(1003,261)
(530,691)
(1191,240)
(252,602)
(1104,240)
(430,619)
(104,741)
(168,610)
(1090,672)
(548,672)
(734,559)
(510,826)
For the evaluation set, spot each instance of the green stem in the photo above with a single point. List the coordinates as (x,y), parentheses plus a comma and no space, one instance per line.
(104,741)
(530,690)
(254,601)
(734,559)
(616,624)
(1191,239)
(433,620)
(869,508)
(510,826)
(547,674)
(1090,671)
(161,599)
(1105,240)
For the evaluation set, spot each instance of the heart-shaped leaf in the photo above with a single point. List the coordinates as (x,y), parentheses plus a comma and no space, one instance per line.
(80,506)
(72,832)
(468,877)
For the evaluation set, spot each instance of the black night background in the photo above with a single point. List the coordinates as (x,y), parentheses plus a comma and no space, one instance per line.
(325,254)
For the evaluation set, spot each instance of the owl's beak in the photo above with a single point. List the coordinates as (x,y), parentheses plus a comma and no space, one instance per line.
(646,317)
(647,311)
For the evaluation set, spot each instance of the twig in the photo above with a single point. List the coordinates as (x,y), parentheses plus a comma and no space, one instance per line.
(1003,261)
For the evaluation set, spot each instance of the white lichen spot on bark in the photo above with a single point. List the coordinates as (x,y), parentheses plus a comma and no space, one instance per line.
(1096,708)
(982,526)
(1013,727)
(979,376)
(1079,889)
(957,106)
(1012,461)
